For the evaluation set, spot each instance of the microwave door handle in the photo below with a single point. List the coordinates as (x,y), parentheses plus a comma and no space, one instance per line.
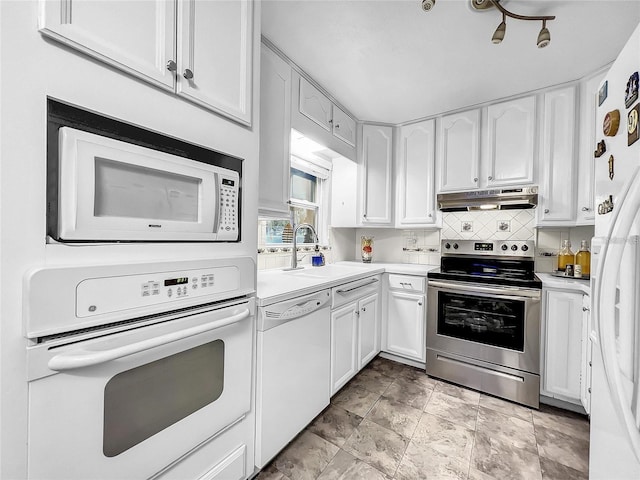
(216,223)
(86,358)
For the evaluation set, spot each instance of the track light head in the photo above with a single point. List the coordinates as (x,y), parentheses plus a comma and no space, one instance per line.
(427,5)
(544,37)
(498,35)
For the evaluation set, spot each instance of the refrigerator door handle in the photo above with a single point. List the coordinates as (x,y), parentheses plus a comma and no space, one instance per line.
(607,300)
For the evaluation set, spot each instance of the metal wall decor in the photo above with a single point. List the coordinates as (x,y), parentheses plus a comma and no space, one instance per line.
(611,172)
(606,206)
(603,92)
(611,123)
(631,93)
(600,149)
(632,125)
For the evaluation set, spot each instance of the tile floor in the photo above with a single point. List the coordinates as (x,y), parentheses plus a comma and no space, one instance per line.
(393,422)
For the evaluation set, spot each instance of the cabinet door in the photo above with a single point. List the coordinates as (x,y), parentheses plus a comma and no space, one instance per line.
(344,127)
(137,36)
(459,151)
(588,144)
(558,157)
(215,43)
(406,325)
(563,345)
(344,351)
(377,144)
(275,133)
(416,185)
(510,146)
(314,105)
(368,329)
(585,375)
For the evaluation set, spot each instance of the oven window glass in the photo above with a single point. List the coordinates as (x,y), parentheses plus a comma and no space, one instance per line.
(143,401)
(133,191)
(492,321)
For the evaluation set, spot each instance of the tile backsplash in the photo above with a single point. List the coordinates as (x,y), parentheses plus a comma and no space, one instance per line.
(490,224)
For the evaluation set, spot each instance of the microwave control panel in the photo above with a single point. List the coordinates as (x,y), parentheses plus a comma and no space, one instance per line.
(97,296)
(228,208)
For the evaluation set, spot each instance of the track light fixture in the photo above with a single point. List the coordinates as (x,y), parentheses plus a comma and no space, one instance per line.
(544,36)
(498,35)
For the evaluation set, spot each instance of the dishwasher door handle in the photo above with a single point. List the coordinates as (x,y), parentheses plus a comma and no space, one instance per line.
(346,290)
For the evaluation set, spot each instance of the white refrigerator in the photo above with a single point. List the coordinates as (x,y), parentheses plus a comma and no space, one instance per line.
(615,327)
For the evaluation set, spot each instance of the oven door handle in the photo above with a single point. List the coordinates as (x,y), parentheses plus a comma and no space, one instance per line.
(87,358)
(503,291)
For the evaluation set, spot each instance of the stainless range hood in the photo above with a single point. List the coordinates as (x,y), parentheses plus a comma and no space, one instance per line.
(495,199)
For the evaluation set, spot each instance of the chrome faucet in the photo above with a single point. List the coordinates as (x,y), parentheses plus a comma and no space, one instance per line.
(294,253)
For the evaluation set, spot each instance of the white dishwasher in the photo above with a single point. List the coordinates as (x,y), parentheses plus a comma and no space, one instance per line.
(293,370)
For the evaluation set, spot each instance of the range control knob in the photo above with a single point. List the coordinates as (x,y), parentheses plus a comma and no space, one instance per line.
(524,248)
(514,247)
(447,246)
(504,246)
(455,246)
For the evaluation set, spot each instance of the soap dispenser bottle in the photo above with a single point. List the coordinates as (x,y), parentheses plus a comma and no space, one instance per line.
(317,260)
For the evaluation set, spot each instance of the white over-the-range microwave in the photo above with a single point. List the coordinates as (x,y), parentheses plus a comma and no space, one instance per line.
(110,190)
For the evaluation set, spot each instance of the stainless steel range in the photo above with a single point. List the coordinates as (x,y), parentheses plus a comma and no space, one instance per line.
(483,320)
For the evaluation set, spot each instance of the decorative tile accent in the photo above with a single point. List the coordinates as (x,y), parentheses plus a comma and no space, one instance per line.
(466,227)
(487,224)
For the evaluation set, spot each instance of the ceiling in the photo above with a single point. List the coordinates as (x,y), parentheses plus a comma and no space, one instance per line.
(389,61)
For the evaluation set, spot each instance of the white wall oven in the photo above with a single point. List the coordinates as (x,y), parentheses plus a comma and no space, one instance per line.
(483,322)
(111,181)
(132,367)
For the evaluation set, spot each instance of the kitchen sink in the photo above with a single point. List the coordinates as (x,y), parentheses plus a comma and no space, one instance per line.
(327,271)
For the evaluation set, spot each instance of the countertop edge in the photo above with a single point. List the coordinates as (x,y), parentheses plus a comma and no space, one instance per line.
(550,281)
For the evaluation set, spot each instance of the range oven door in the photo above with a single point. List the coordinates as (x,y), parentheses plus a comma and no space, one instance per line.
(128,404)
(495,324)
(109,190)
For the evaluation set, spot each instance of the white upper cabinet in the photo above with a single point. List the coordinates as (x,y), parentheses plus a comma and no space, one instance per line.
(588,144)
(344,127)
(510,142)
(416,175)
(315,105)
(215,55)
(204,53)
(557,160)
(138,37)
(459,151)
(275,134)
(377,142)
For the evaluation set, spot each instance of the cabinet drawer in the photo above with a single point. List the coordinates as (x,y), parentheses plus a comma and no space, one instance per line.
(408,283)
(348,292)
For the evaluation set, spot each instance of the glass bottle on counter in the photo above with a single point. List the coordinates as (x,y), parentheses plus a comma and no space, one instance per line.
(565,256)
(583,258)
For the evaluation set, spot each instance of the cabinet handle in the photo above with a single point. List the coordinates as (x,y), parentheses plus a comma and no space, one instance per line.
(364,309)
(429,215)
(586,209)
(590,363)
(357,312)
(589,389)
(188,74)
(172,66)
(337,126)
(475,180)
(585,309)
(419,304)
(546,210)
(490,177)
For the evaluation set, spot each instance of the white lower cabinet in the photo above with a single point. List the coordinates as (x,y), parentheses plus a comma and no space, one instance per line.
(565,349)
(405,322)
(585,376)
(355,329)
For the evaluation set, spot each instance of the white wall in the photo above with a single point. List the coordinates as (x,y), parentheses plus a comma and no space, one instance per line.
(33,68)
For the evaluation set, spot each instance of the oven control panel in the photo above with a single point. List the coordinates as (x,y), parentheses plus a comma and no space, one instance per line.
(97,296)
(511,248)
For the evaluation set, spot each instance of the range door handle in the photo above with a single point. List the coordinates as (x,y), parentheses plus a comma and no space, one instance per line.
(81,358)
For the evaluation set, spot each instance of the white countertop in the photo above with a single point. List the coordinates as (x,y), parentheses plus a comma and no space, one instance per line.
(550,281)
(277,285)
